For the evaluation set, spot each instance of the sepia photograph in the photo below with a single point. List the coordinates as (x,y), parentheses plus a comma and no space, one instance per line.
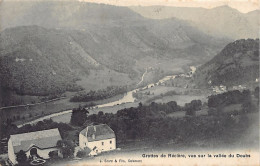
(129,82)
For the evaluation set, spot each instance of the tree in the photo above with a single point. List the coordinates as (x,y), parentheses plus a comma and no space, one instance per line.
(53,154)
(247,107)
(79,116)
(190,112)
(67,148)
(81,154)
(256,93)
(140,104)
(21,158)
(246,96)
(196,104)
(1,126)
(100,113)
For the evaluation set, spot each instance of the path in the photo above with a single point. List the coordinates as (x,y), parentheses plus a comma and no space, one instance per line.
(142,79)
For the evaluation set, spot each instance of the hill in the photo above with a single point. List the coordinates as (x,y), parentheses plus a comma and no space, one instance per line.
(222,21)
(40,61)
(77,46)
(237,63)
(66,14)
(219,21)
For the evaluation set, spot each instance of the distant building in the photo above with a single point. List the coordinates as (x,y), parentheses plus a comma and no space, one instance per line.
(239,87)
(219,89)
(38,144)
(97,138)
(223,88)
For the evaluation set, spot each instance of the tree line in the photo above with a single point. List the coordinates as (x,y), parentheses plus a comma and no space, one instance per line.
(110,91)
(10,129)
(219,101)
(153,124)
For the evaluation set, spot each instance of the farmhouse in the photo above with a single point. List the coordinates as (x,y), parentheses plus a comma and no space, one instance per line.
(35,144)
(97,138)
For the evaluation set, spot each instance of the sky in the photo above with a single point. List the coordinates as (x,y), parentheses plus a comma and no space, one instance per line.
(243,6)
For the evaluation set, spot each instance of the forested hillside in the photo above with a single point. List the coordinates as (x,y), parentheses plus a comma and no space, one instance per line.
(237,63)
(40,59)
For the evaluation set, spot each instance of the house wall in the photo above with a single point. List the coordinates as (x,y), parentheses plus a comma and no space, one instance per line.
(83,141)
(106,146)
(11,155)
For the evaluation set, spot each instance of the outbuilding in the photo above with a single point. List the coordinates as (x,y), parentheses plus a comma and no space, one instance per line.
(36,144)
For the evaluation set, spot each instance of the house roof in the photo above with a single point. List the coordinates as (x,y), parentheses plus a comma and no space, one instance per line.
(42,139)
(101,132)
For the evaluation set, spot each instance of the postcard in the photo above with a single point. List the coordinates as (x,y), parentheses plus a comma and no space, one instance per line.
(129,82)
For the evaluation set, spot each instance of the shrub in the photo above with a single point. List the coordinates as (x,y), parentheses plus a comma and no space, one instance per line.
(21,157)
(81,154)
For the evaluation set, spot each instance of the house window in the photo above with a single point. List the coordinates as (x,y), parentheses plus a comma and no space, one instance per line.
(85,143)
(102,143)
(110,142)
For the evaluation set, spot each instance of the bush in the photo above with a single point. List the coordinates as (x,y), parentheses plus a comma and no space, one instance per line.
(190,112)
(67,148)
(53,154)
(81,154)
(21,158)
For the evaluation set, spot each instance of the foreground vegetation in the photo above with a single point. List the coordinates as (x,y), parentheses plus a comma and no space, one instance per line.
(152,122)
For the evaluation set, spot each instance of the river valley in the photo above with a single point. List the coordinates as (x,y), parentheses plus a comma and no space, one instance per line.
(128,100)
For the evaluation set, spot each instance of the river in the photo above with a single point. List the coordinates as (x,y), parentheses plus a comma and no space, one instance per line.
(127,98)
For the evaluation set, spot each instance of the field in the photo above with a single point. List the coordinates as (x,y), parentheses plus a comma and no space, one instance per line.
(66,117)
(181,99)
(232,107)
(100,79)
(181,114)
(164,94)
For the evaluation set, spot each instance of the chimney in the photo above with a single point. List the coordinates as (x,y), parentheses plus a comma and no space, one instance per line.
(87,132)
(93,135)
